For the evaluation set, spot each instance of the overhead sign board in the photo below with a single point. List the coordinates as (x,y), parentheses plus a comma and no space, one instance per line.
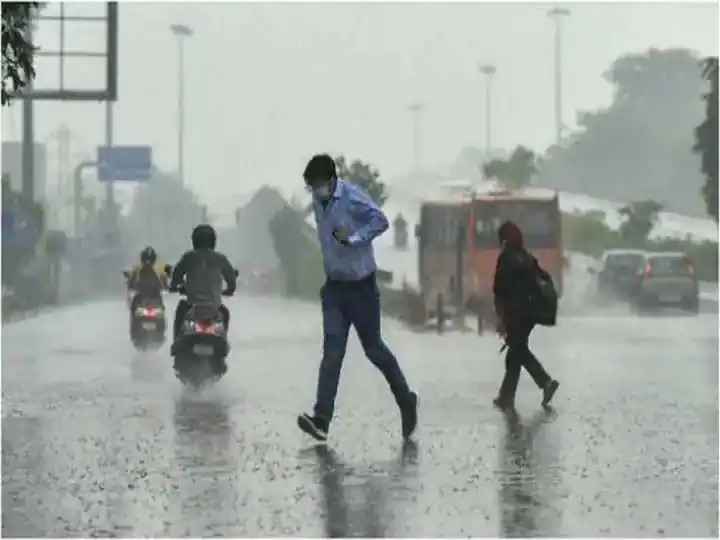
(124,163)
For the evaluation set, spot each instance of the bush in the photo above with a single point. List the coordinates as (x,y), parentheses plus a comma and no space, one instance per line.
(588,233)
(298,252)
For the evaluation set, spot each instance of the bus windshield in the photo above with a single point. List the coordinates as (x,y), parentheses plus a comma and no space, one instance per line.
(539,221)
(442,225)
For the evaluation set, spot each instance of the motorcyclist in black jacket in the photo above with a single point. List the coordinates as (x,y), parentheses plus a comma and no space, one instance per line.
(202,271)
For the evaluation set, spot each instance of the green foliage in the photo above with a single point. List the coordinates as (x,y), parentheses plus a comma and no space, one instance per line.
(706,138)
(640,147)
(18,51)
(639,219)
(516,171)
(363,174)
(588,233)
(298,252)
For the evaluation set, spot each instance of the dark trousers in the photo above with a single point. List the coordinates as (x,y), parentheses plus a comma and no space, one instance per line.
(518,356)
(346,304)
(182,310)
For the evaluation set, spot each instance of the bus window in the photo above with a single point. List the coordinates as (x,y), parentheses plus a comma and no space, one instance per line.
(440,226)
(539,222)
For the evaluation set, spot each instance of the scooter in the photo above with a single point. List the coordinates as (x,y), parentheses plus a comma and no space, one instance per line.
(147,322)
(202,346)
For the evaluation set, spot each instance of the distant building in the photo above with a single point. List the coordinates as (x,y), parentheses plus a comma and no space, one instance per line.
(12,167)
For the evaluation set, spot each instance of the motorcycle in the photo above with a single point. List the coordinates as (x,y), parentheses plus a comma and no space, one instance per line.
(147,322)
(202,346)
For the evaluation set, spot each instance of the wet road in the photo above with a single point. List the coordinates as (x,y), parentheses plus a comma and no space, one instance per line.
(99,440)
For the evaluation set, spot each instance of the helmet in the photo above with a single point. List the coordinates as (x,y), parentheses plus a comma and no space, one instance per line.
(320,169)
(148,256)
(204,237)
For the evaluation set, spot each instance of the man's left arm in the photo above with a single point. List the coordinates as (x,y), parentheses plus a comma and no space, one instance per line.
(366,211)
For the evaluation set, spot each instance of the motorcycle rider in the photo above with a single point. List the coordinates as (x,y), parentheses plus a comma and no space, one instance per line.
(201,271)
(147,279)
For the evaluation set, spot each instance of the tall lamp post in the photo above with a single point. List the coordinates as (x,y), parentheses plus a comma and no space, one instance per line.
(416,109)
(488,70)
(557,14)
(182,32)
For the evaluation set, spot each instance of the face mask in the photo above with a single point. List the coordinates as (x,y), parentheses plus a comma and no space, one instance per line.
(322,192)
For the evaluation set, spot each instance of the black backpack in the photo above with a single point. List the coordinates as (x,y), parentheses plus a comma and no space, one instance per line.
(543,297)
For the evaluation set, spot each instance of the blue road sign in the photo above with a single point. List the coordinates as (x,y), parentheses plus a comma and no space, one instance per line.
(124,163)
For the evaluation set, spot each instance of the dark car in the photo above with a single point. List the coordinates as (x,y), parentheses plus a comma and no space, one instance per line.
(618,273)
(667,279)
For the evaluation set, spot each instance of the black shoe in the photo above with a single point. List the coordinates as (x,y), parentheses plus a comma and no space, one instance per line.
(549,392)
(503,404)
(315,427)
(408,413)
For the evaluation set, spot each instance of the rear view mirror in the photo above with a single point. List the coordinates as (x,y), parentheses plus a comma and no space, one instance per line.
(126,274)
(237,273)
(418,231)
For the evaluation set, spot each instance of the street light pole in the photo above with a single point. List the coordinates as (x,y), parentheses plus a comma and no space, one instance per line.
(416,110)
(181,31)
(488,70)
(557,15)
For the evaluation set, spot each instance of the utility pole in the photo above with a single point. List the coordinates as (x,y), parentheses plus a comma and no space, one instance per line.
(488,70)
(182,32)
(557,15)
(28,137)
(109,188)
(64,181)
(416,109)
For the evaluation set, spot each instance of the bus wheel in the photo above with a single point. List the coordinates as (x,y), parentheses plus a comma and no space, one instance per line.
(480,325)
(439,309)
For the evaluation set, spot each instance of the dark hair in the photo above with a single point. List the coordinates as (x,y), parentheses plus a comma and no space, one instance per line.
(511,234)
(204,237)
(320,167)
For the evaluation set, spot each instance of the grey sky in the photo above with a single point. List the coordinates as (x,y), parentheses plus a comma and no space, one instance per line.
(269,84)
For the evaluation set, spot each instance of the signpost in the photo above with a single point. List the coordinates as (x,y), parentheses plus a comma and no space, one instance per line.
(124,163)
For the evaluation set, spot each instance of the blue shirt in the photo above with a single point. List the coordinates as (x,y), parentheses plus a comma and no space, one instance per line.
(351,209)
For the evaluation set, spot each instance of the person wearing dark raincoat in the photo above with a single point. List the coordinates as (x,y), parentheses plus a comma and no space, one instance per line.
(514,278)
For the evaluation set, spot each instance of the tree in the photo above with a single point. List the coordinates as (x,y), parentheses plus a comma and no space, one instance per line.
(364,175)
(641,145)
(639,219)
(163,213)
(516,172)
(18,50)
(706,138)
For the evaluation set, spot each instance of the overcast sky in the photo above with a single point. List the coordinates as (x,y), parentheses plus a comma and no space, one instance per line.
(268,85)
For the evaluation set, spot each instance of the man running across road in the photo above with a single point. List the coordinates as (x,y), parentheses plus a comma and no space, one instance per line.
(348,220)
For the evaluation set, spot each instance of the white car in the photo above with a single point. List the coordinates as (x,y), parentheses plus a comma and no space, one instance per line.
(666,279)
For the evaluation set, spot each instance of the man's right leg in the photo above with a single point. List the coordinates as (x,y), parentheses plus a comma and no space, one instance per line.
(180,313)
(336,328)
